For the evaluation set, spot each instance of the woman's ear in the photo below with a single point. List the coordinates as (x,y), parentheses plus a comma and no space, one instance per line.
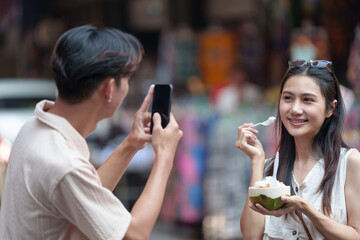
(333,106)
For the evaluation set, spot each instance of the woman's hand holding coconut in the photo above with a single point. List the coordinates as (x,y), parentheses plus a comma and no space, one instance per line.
(292,203)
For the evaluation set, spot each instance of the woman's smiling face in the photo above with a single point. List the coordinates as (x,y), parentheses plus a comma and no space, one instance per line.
(302,107)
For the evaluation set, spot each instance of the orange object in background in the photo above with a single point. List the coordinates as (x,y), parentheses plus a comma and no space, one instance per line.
(217,53)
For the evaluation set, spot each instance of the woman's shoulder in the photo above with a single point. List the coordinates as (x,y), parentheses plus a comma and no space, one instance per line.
(353,159)
(353,163)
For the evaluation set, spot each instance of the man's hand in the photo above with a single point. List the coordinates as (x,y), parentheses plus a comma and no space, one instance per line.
(140,135)
(165,140)
(147,207)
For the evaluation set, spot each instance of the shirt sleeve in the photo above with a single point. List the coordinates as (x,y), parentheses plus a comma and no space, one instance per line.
(94,210)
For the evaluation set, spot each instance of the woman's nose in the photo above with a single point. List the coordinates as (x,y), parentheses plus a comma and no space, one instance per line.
(296,107)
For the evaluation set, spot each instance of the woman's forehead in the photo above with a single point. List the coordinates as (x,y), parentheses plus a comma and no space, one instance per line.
(303,84)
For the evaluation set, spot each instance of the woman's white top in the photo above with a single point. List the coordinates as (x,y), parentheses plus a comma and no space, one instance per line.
(281,228)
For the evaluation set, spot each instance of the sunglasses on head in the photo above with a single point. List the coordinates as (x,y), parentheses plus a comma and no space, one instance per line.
(313,63)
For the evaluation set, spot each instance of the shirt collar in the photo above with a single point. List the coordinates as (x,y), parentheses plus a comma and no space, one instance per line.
(61,125)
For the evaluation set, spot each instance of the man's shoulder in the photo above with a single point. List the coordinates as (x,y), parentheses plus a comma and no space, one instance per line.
(45,151)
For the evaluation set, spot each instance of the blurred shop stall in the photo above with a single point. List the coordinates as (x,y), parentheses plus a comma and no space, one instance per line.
(225,59)
(352,133)
(353,72)
(10,15)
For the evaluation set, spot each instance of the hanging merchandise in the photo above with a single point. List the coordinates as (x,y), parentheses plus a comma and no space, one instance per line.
(190,169)
(336,26)
(321,42)
(10,16)
(186,65)
(251,46)
(217,54)
(183,202)
(10,36)
(351,131)
(309,42)
(352,123)
(317,35)
(225,183)
(240,90)
(177,60)
(148,15)
(228,172)
(166,57)
(335,20)
(278,27)
(301,46)
(353,71)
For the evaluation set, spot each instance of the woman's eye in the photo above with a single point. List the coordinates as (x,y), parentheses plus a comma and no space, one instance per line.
(308,100)
(287,98)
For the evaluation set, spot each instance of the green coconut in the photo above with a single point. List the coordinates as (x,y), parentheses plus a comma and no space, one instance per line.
(270,197)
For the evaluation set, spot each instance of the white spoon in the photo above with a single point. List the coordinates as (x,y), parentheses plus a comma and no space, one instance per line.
(267,122)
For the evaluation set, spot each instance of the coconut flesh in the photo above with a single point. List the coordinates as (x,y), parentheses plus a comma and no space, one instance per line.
(268,193)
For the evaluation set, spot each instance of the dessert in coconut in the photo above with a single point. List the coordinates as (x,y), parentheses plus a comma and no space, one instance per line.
(268,193)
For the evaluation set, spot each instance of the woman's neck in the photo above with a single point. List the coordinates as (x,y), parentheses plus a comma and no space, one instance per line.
(305,151)
(305,159)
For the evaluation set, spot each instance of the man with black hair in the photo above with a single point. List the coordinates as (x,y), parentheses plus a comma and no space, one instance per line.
(52,191)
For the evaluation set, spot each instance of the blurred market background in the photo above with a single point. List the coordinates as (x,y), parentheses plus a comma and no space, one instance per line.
(225,59)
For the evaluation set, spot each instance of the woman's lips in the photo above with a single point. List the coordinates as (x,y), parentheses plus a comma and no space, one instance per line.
(297,122)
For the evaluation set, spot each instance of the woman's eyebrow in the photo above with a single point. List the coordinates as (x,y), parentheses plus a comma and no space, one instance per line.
(302,94)
(309,95)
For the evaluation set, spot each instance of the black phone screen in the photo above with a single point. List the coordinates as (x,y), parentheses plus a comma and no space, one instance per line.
(162,103)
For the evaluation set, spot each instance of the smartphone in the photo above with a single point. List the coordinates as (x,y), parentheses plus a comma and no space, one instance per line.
(161,103)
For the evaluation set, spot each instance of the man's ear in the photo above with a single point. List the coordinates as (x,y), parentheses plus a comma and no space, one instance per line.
(108,88)
(331,111)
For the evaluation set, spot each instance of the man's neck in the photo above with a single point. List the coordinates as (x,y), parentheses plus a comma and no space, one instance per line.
(82,116)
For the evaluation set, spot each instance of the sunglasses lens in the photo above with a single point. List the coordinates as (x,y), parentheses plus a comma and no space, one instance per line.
(297,63)
(322,64)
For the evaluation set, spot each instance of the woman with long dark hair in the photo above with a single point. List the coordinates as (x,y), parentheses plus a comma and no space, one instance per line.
(322,171)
